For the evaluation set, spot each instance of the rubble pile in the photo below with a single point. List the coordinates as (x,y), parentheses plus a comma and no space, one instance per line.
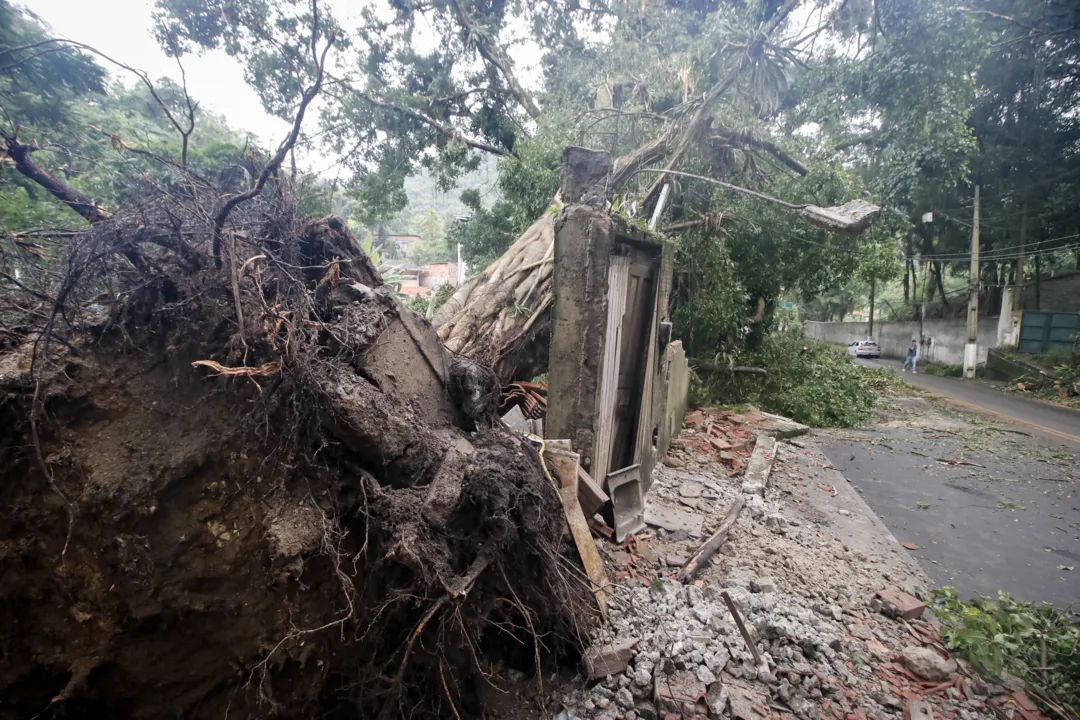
(839,632)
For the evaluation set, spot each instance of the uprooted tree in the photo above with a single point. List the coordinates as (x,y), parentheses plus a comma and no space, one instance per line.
(242,479)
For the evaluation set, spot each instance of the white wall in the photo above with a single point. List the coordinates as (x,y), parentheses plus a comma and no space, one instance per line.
(944,339)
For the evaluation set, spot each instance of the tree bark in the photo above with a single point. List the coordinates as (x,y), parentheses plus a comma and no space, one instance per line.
(77,201)
(492,54)
(940,283)
(745,138)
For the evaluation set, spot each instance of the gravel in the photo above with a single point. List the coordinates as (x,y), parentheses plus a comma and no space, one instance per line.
(819,631)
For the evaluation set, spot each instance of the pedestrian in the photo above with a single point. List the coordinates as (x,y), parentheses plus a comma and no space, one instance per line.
(912,354)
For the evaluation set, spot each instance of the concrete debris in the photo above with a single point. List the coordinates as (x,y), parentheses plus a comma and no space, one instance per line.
(811,601)
(762,585)
(690,490)
(927,664)
(672,519)
(680,693)
(758,469)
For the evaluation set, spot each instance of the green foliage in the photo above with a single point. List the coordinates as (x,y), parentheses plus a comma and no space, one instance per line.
(418,304)
(1002,634)
(38,83)
(442,293)
(526,186)
(809,381)
(435,246)
(1066,365)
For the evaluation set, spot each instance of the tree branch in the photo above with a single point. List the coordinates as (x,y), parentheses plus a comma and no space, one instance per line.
(119,144)
(443,128)
(700,117)
(748,139)
(867,139)
(490,53)
(77,201)
(286,145)
(184,134)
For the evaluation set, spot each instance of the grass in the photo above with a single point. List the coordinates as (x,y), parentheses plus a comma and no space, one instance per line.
(944,370)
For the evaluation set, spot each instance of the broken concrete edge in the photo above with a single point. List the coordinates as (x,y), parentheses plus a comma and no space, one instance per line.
(759,468)
(785,429)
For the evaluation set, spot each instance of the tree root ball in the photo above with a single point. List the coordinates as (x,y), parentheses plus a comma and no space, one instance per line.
(317,519)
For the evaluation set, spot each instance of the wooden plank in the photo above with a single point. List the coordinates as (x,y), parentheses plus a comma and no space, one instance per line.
(564,466)
(618,273)
(632,363)
(643,453)
(591,496)
(707,550)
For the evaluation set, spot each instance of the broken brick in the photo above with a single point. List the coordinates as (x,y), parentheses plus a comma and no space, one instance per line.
(609,659)
(679,693)
(898,604)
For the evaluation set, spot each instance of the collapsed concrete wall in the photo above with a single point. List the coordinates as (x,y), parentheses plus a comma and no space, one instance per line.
(676,397)
(943,340)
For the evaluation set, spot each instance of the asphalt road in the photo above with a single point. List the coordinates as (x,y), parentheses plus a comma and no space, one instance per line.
(1056,424)
(987,510)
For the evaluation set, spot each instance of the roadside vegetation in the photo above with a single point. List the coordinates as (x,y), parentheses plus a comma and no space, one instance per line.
(809,381)
(942,370)
(1058,382)
(1038,644)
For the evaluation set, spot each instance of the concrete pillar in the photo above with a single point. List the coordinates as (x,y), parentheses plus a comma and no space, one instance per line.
(1007,323)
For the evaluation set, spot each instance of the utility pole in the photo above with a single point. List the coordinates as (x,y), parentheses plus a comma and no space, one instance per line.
(971,350)
(1018,278)
(873,282)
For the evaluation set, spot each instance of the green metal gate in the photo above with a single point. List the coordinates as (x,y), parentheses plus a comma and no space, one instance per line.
(1042,332)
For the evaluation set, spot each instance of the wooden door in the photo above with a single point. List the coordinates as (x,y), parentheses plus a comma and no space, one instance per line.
(633,356)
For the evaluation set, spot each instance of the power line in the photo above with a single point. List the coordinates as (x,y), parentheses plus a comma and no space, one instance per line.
(1001,252)
(1010,256)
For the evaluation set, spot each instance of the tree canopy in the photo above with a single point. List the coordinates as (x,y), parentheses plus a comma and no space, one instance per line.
(906,102)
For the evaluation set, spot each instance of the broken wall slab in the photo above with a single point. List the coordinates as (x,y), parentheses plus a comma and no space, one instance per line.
(584,239)
(756,478)
(675,396)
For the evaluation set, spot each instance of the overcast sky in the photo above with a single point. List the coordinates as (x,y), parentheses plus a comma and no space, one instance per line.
(123,29)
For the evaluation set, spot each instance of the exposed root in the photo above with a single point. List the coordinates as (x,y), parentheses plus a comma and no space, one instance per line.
(267,548)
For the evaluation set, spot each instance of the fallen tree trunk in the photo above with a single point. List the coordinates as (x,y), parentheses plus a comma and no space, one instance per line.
(496,316)
(502,316)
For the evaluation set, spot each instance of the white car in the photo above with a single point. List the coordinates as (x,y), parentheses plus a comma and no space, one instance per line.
(865,348)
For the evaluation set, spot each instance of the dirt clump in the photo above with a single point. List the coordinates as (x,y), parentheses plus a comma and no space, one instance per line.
(264,489)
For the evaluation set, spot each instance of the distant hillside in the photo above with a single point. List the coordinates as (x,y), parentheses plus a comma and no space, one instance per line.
(424,193)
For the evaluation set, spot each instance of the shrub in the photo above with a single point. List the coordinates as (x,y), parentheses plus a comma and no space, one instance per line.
(1004,634)
(943,370)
